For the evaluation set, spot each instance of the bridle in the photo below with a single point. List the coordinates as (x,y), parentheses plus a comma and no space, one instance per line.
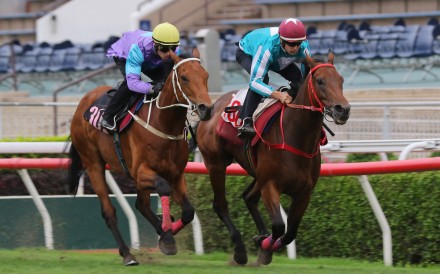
(176,87)
(320,108)
(175,81)
(312,92)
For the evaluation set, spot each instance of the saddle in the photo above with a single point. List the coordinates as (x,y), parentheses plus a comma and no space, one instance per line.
(263,117)
(94,113)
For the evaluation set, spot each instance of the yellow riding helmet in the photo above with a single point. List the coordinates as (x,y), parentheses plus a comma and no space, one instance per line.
(166,34)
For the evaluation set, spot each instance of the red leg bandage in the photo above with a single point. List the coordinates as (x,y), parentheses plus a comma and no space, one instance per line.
(277,245)
(166,219)
(267,243)
(177,226)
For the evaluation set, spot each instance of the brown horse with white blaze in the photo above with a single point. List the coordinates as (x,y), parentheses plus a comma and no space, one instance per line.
(287,158)
(156,152)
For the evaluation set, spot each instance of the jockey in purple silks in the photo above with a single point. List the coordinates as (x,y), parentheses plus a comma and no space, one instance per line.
(141,52)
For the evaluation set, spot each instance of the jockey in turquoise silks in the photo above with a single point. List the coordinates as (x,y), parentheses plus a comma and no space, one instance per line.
(280,49)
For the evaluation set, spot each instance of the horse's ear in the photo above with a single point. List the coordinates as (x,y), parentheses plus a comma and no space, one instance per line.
(174,57)
(310,61)
(196,53)
(330,57)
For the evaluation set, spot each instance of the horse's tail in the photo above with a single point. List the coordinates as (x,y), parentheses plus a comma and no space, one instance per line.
(192,143)
(75,169)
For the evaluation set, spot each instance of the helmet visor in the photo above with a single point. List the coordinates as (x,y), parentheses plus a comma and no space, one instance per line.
(166,49)
(293,44)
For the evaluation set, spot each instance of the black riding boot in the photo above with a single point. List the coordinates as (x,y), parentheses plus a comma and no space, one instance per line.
(118,101)
(294,88)
(249,106)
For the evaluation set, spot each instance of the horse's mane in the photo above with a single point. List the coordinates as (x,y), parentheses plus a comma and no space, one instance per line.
(319,60)
(185,55)
(292,91)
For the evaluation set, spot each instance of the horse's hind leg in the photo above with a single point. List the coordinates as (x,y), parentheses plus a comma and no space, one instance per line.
(217,176)
(109,214)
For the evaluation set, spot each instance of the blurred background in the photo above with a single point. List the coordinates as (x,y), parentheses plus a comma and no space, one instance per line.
(54,51)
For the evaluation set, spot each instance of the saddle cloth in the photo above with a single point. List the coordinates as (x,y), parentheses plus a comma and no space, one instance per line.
(94,113)
(227,128)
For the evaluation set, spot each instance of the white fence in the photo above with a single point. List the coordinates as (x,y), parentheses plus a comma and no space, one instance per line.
(368,121)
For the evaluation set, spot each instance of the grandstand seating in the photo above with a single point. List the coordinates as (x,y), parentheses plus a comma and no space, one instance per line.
(43,57)
(386,45)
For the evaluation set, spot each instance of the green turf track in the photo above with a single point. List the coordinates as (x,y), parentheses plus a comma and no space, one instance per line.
(34,261)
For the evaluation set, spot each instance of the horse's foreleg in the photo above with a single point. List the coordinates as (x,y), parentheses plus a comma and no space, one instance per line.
(297,209)
(271,199)
(167,244)
(109,214)
(251,197)
(180,196)
(143,206)
(220,205)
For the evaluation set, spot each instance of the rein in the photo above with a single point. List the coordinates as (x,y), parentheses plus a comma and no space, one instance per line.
(189,105)
(320,108)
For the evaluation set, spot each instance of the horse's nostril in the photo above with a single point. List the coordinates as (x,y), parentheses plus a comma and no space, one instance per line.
(201,107)
(341,109)
(338,108)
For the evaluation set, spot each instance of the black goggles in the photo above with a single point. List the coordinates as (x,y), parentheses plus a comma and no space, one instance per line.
(292,44)
(165,49)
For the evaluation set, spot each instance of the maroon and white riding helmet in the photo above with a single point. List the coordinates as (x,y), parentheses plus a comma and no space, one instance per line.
(292,30)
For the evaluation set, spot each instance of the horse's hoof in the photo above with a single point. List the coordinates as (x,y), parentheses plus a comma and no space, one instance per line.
(167,244)
(240,255)
(264,256)
(130,260)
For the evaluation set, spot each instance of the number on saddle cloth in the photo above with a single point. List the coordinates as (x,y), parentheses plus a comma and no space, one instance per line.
(94,113)
(232,111)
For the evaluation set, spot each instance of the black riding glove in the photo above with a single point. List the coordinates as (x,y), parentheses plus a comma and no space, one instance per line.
(157,88)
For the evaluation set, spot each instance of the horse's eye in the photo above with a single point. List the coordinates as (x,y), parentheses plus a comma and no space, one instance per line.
(184,79)
(320,81)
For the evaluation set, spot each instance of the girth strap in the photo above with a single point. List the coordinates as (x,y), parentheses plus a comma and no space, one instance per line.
(118,149)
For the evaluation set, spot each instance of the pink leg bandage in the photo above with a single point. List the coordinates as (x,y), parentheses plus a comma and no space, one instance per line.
(166,219)
(267,243)
(277,245)
(177,226)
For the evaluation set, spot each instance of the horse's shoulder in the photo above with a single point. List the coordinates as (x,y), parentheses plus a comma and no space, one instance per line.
(92,95)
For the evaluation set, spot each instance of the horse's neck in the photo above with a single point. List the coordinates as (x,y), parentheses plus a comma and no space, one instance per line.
(171,119)
(302,127)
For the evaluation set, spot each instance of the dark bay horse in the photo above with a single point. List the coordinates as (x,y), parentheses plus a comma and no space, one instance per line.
(288,159)
(155,152)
